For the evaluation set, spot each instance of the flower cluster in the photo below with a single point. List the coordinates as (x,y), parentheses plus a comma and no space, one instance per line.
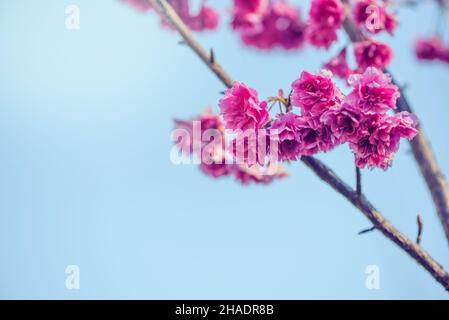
(267,25)
(327,118)
(204,138)
(206,19)
(373,17)
(325,18)
(431,49)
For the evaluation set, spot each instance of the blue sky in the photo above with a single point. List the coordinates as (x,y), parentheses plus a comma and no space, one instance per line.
(86,179)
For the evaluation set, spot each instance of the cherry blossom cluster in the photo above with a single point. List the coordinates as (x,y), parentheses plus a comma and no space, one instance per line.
(325,18)
(268,24)
(206,19)
(326,119)
(215,158)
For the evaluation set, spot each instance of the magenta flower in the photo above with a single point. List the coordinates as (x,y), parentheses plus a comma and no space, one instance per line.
(327,13)
(325,18)
(251,147)
(279,26)
(216,169)
(206,19)
(287,136)
(241,109)
(339,65)
(245,175)
(373,92)
(371,53)
(431,49)
(373,17)
(315,136)
(315,94)
(379,139)
(207,120)
(141,5)
(248,13)
(343,122)
(320,37)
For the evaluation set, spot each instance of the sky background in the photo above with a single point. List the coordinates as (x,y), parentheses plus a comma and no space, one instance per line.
(86,179)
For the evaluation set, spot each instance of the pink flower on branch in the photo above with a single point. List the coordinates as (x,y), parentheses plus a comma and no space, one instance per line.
(325,18)
(339,65)
(379,137)
(371,53)
(315,94)
(284,130)
(241,109)
(431,49)
(276,25)
(343,122)
(141,5)
(327,13)
(373,92)
(206,19)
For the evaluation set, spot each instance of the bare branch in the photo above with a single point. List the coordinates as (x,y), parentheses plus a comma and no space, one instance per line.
(420,222)
(325,173)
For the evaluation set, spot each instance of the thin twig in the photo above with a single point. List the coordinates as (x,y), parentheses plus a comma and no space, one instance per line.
(367,230)
(358,175)
(420,222)
(325,173)
(421,148)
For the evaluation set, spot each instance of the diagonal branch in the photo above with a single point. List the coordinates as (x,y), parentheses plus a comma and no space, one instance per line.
(325,173)
(421,148)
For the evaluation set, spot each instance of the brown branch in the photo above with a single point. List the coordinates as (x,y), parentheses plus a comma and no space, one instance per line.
(421,148)
(325,173)
(358,175)
(420,227)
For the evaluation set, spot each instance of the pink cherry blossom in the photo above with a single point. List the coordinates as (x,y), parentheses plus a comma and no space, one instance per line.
(315,94)
(216,169)
(251,147)
(327,13)
(315,135)
(248,13)
(372,53)
(379,139)
(207,120)
(429,49)
(373,92)
(343,122)
(245,174)
(287,136)
(339,65)
(325,18)
(206,19)
(373,17)
(141,5)
(241,109)
(320,37)
(279,26)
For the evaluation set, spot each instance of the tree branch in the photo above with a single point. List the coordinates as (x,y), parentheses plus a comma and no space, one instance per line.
(421,148)
(325,173)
